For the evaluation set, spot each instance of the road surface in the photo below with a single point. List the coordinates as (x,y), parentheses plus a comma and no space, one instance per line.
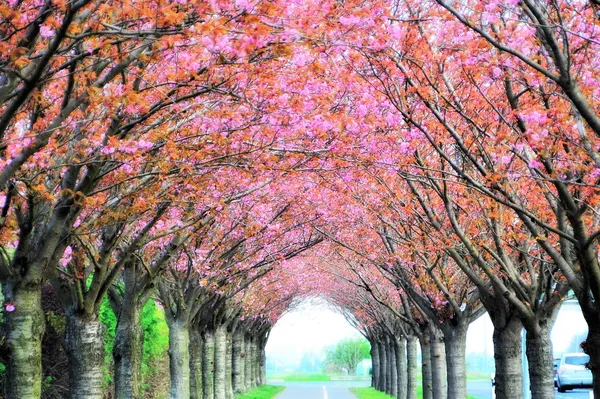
(339,390)
(318,390)
(483,390)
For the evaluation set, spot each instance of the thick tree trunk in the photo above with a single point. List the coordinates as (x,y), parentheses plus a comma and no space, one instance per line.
(248,362)
(237,363)
(383,364)
(196,369)
(375,369)
(539,357)
(426,366)
(412,367)
(455,341)
(128,352)
(26,325)
(229,367)
(179,357)
(507,356)
(392,388)
(401,367)
(220,362)
(208,365)
(592,348)
(84,344)
(263,361)
(439,373)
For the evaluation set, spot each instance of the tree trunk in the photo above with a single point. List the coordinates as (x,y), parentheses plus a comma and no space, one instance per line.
(84,344)
(248,362)
(392,388)
(375,369)
(179,356)
(263,361)
(383,363)
(256,362)
(439,373)
(401,367)
(220,361)
(237,363)
(507,356)
(229,367)
(411,366)
(455,341)
(208,365)
(591,346)
(196,370)
(26,326)
(426,366)
(539,357)
(128,352)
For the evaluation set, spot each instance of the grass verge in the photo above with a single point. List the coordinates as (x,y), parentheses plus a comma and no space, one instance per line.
(371,393)
(306,378)
(262,392)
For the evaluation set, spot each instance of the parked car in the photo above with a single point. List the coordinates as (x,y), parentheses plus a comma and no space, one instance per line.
(573,373)
(555,364)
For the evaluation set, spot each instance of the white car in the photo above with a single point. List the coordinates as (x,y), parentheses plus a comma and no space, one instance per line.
(573,373)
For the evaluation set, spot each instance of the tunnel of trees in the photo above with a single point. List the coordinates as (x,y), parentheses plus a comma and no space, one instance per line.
(418,163)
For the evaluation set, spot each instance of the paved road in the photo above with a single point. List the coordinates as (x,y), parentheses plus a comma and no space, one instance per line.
(483,390)
(318,390)
(339,390)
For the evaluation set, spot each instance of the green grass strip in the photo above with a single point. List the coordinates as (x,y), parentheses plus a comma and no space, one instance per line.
(371,393)
(306,378)
(262,392)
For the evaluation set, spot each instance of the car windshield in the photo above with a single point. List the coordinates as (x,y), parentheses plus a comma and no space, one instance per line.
(577,360)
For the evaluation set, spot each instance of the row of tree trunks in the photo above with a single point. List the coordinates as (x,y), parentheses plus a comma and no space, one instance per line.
(217,362)
(394,365)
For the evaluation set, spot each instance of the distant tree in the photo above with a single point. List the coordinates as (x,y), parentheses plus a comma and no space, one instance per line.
(347,353)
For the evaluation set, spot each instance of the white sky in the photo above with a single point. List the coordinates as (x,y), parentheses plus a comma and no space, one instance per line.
(314,325)
(308,329)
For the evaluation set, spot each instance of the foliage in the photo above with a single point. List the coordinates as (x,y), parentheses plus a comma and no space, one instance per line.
(156,338)
(262,392)
(347,353)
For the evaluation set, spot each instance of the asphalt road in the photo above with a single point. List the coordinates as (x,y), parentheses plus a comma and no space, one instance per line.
(318,390)
(339,390)
(483,390)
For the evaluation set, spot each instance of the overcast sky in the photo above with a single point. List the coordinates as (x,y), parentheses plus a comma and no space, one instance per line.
(314,325)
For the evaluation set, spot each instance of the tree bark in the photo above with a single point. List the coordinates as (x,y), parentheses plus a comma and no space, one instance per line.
(128,352)
(426,366)
(26,326)
(208,365)
(262,361)
(375,369)
(383,363)
(392,388)
(439,373)
(539,356)
(248,362)
(237,363)
(229,367)
(507,356)
(591,346)
(84,344)
(455,342)
(179,356)
(255,362)
(196,369)
(220,361)
(411,366)
(401,367)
